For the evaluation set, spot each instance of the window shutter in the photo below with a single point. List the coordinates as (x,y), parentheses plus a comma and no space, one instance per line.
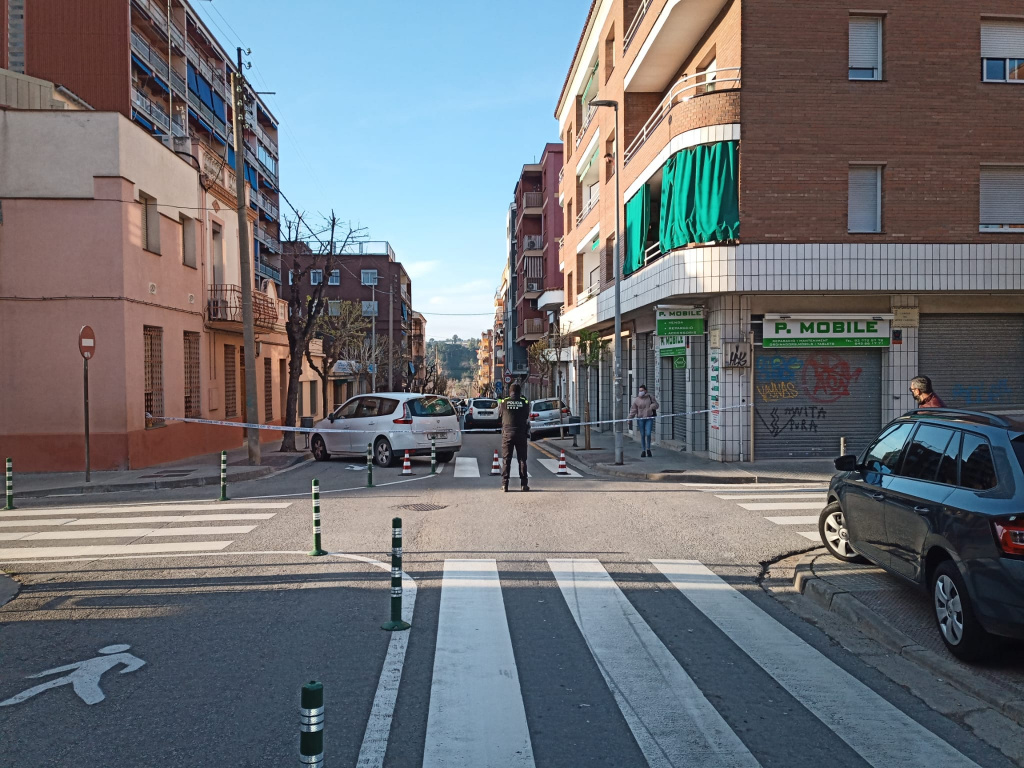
(865,37)
(1002,39)
(145,222)
(863,200)
(1002,196)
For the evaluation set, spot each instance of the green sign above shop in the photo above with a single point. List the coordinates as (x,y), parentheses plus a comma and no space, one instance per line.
(680,322)
(679,363)
(825,331)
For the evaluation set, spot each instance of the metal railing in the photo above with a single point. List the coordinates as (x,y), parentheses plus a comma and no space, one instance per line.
(266,270)
(224,304)
(142,103)
(587,209)
(148,54)
(589,111)
(368,248)
(589,293)
(634,25)
(179,83)
(685,88)
(267,204)
(533,199)
(561,173)
(534,268)
(267,239)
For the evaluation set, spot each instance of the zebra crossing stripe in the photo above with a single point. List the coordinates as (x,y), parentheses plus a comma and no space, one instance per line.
(127,533)
(551,465)
(104,550)
(879,732)
(155,508)
(794,520)
(672,721)
(772,506)
(476,715)
(466,466)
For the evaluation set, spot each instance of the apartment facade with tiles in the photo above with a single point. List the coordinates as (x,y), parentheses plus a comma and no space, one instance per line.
(817,205)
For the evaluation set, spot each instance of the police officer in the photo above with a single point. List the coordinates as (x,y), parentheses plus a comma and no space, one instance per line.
(515,418)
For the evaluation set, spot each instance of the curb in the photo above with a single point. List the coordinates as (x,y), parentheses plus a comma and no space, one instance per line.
(847,607)
(185,482)
(9,587)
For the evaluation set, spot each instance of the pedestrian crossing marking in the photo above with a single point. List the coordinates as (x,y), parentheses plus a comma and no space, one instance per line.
(128,533)
(71,521)
(671,720)
(513,471)
(23,523)
(812,535)
(873,727)
(155,508)
(551,465)
(466,466)
(104,550)
(794,520)
(770,495)
(773,506)
(476,715)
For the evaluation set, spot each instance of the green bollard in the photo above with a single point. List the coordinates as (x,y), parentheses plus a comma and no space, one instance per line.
(317,552)
(396,622)
(369,465)
(433,458)
(10,483)
(311,724)
(223,476)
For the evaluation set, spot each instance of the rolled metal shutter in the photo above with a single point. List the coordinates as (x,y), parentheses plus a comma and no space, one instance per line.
(679,402)
(606,393)
(805,400)
(974,361)
(650,361)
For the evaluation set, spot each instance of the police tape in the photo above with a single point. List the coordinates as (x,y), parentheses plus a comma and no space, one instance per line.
(437,430)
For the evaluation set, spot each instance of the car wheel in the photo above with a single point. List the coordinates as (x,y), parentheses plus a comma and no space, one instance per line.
(832,529)
(319,448)
(958,627)
(445,457)
(382,453)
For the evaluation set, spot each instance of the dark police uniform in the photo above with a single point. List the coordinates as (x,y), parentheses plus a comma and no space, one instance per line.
(515,418)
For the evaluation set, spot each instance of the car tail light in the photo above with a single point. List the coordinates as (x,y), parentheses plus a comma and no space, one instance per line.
(565,410)
(405,418)
(1010,535)
(533,416)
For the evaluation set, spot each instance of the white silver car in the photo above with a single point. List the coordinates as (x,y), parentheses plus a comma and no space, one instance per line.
(392,423)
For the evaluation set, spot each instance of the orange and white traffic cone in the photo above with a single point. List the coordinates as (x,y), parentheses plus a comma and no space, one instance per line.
(562,469)
(496,465)
(406,465)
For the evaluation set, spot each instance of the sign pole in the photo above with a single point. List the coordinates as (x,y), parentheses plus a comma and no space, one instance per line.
(86,387)
(87,347)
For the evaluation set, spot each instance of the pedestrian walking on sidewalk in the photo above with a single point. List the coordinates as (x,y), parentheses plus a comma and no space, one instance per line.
(921,389)
(515,420)
(644,409)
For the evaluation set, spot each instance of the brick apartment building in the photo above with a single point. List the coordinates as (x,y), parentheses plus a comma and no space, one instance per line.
(368,274)
(818,203)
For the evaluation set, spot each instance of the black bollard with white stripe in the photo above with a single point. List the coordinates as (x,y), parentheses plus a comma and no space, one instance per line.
(433,457)
(369,465)
(223,476)
(396,622)
(317,551)
(10,483)
(311,724)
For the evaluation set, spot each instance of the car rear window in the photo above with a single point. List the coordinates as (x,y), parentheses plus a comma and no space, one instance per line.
(479,403)
(545,405)
(431,406)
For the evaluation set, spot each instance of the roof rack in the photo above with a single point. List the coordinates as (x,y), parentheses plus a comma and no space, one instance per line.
(976,416)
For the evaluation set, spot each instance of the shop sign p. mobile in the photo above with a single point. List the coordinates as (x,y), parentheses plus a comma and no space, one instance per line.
(827,331)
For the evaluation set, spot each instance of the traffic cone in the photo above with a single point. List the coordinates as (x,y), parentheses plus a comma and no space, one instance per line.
(496,465)
(406,465)
(562,469)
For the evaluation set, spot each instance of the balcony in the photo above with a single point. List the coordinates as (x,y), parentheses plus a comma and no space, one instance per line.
(683,91)
(267,240)
(149,55)
(533,199)
(533,243)
(589,293)
(588,115)
(368,248)
(150,109)
(534,268)
(634,25)
(224,308)
(267,205)
(530,329)
(264,269)
(591,204)
(551,300)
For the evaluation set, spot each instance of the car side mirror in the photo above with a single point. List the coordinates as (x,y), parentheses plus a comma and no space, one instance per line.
(846,463)
(331,417)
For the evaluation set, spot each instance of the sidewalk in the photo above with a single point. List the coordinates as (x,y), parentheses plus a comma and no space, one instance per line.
(194,471)
(678,467)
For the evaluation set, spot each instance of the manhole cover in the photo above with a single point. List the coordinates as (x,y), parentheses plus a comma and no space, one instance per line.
(422,507)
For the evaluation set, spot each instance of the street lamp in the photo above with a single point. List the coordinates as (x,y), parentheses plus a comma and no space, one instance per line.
(617,385)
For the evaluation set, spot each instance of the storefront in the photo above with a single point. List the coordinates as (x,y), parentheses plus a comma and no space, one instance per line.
(676,329)
(817,379)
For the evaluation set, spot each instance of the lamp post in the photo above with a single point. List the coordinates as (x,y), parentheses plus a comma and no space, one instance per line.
(617,384)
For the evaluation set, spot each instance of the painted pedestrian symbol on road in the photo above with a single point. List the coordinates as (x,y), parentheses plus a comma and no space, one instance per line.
(84,676)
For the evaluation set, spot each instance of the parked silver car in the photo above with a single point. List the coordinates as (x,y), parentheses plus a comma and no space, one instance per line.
(546,416)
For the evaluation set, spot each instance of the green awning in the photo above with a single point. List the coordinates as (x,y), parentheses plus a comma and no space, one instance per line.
(638,221)
(700,196)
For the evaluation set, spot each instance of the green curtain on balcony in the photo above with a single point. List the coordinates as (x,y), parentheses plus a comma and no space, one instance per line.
(638,221)
(700,196)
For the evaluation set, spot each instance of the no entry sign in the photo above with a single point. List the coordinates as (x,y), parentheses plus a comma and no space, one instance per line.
(87,342)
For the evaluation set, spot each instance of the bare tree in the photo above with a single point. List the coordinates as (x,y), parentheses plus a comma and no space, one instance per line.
(364,357)
(342,326)
(537,358)
(306,250)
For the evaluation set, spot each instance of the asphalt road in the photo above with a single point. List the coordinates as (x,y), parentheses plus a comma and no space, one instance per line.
(588,622)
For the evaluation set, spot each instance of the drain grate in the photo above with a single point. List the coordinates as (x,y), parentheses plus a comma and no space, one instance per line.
(423,507)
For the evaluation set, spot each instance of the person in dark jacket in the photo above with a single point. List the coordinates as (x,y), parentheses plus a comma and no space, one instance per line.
(515,419)
(921,389)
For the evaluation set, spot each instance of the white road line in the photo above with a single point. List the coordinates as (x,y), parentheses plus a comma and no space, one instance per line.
(22,523)
(158,508)
(767,496)
(72,521)
(794,520)
(476,715)
(879,732)
(794,505)
(128,533)
(99,550)
(466,467)
(671,720)
(551,465)
(812,535)
(513,471)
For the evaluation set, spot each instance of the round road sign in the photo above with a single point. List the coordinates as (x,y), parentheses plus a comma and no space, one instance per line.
(508,379)
(87,342)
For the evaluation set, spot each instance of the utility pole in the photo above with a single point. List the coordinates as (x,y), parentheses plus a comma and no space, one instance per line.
(391,335)
(238,99)
(373,339)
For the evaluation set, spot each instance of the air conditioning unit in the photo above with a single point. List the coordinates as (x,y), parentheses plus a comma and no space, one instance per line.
(533,286)
(533,243)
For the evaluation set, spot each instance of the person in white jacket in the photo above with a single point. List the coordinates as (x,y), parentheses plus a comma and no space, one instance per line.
(644,409)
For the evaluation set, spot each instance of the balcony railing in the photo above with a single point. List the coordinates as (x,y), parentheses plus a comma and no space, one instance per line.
(147,53)
(266,270)
(588,294)
(154,111)
(533,199)
(588,114)
(267,239)
(267,204)
(634,25)
(368,248)
(224,305)
(685,88)
(531,325)
(534,268)
(587,209)
(561,174)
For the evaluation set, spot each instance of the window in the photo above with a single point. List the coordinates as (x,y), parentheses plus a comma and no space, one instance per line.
(884,456)
(188,240)
(368,276)
(865,48)
(430,406)
(926,452)
(369,309)
(193,405)
(334,308)
(291,277)
(230,393)
(335,277)
(609,54)
(312,398)
(1002,51)
(865,199)
(706,75)
(153,368)
(316,276)
(150,223)
(218,255)
(948,464)
(268,389)
(976,469)
(1001,198)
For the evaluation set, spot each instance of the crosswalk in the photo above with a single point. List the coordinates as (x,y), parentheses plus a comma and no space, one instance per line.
(468,466)
(477,714)
(30,533)
(804,504)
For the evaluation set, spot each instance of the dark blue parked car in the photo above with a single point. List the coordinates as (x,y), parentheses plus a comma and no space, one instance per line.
(938,498)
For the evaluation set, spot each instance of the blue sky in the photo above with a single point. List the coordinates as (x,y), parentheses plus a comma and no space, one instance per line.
(412,119)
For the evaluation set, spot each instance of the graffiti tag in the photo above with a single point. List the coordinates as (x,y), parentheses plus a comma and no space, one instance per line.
(980,394)
(772,369)
(827,378)
(778,390)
